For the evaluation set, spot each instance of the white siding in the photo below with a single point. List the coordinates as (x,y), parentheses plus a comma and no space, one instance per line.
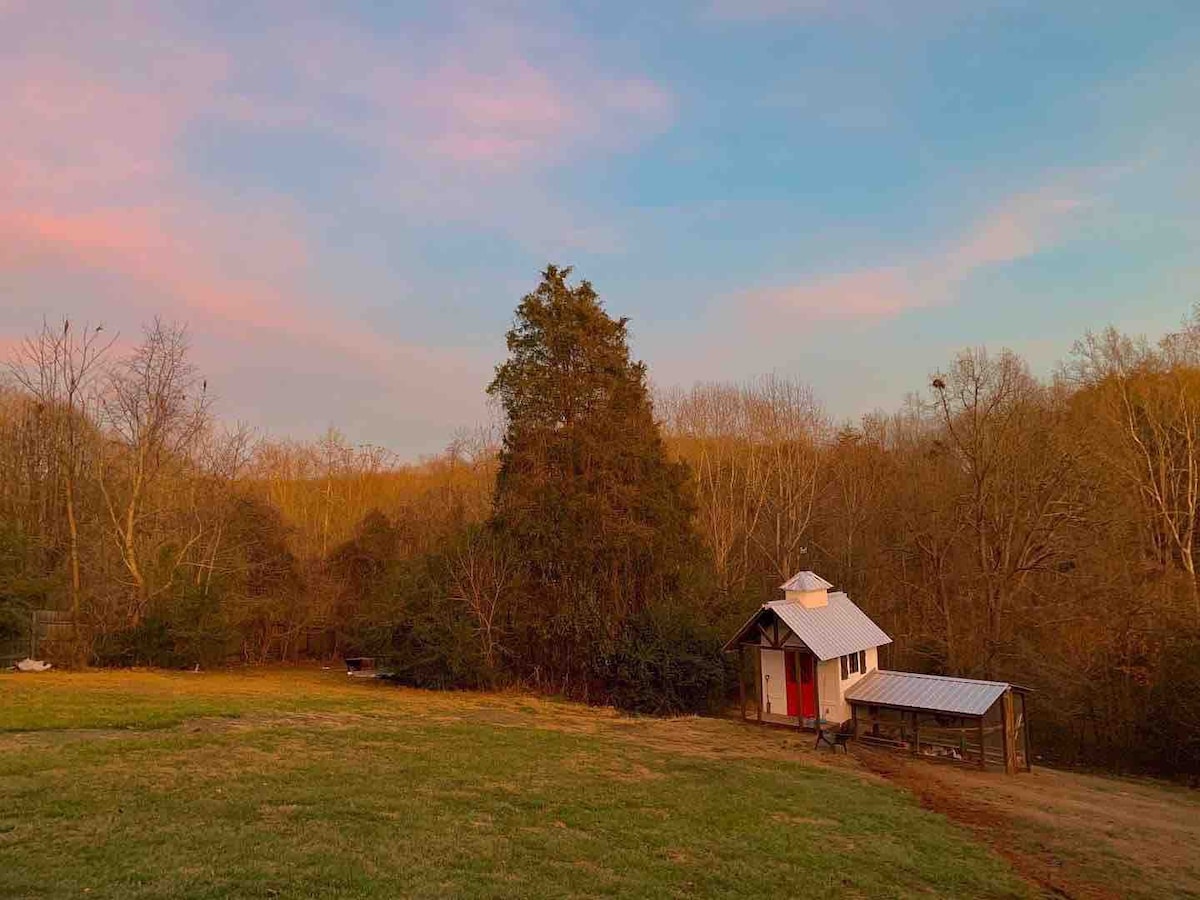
(833,689)
(774,677)
(829,690)
(808,599)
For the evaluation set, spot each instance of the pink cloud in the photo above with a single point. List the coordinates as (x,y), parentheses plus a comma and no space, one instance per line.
(93,173)
(475,116)
(102,217)
(485,99)
(1018,228)
(868,293)
(525,115)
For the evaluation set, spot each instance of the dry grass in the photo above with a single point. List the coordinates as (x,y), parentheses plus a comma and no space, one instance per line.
(297,783)
(305,782)
(1074,834)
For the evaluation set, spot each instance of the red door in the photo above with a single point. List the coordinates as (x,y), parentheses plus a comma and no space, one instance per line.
(793,689)
(808,686)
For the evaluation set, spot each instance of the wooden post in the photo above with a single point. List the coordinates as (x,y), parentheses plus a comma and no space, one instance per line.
(816,667)
(742,678)
(916,747)
(854,718)
(1008,730)
(982,753)
(758,697)
(799,690)
(1025,733)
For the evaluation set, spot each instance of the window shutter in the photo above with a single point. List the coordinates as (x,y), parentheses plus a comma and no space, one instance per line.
(862,661)
(845,668)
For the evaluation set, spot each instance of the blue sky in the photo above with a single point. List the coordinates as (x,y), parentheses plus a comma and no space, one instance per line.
(346,206)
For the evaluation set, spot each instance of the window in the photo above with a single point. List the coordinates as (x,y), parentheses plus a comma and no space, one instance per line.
(853,664)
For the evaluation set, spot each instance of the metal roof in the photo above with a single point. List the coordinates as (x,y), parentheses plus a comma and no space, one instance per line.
(833,630)
(805,581)
(933,693)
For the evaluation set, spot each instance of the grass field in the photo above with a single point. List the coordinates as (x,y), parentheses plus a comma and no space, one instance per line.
(302,783)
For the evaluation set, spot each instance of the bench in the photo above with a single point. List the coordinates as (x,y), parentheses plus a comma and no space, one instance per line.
(361,667)
(834,739)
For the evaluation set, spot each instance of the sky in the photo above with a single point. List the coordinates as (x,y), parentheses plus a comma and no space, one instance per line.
(345,202)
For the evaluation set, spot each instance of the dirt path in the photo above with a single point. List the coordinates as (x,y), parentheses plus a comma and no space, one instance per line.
(1070,835)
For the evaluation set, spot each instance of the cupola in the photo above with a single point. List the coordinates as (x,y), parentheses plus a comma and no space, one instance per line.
(808,589)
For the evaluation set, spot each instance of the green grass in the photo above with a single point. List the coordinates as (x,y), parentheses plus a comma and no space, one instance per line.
(323,788)
(145,699)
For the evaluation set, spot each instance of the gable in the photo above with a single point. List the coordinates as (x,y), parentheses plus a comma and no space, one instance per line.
(830,631)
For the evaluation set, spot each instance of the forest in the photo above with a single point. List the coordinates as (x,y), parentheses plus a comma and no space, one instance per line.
(604,539)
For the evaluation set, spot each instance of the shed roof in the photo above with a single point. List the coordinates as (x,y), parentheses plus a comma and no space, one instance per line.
(805,581)
(931,693)
(833,630)
(829,631)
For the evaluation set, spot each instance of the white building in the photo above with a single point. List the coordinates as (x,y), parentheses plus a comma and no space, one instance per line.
(810,648)
(816,665)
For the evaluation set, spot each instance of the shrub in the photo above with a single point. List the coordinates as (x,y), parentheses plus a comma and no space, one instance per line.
(1174,709)
(664,666)
(419,635)
(184,629)
(23,588)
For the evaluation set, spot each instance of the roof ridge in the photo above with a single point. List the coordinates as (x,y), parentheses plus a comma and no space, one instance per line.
(943,677)
(799,604)
(807,580)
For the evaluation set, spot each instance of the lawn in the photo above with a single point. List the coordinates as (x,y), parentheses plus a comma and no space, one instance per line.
(303,783)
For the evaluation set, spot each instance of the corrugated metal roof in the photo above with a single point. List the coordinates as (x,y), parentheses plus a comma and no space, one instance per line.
(936,693)
(805,581)
(833,630)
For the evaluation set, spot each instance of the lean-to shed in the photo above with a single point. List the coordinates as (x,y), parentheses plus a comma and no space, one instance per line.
(985,722)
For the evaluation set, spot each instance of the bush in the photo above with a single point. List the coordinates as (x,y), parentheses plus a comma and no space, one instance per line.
(664,666)
(181,631)
(22,589)
(1174,710)
(419,636)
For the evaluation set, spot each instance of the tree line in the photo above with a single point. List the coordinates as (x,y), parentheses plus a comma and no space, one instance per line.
(999,525)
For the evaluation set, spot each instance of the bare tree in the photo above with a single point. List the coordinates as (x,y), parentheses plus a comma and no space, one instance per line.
(58,367)
(756,450)
(481,576)
(790,429)
(710,428)
(1150,400)
(221,459)
(1020,499)
(156,407)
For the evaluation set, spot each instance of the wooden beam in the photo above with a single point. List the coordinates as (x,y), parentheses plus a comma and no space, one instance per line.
(742,678)
(799,688)
(758,697)
(816,667)
(1008,733)
(982,753)
(1025,733)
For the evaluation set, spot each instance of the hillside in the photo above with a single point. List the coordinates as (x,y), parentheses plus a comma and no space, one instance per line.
(289,783)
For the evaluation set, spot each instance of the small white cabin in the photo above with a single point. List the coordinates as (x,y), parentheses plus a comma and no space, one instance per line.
(808,649)
(816,665)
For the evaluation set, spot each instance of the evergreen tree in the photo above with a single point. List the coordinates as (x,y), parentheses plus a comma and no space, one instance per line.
(599,516)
